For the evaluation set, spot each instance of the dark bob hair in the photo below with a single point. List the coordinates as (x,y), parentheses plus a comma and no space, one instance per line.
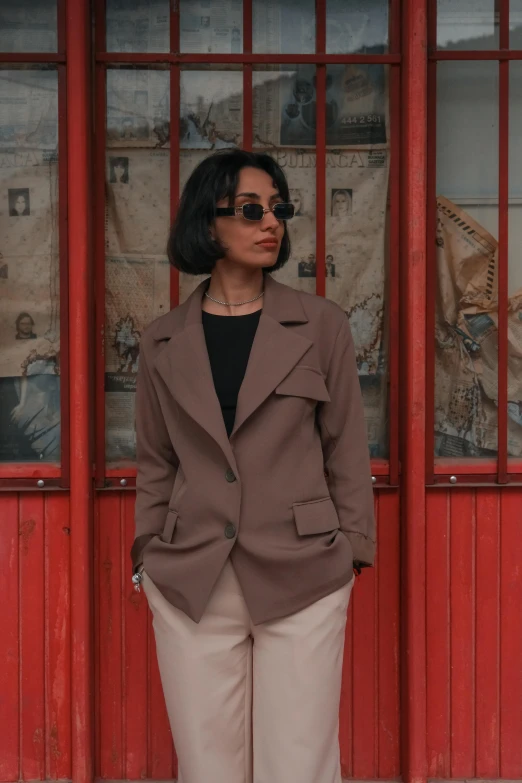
(191,248)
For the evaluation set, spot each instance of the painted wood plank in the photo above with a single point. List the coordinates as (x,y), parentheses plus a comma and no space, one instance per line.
(135,655)
(58,636)
(462,602)
(387,574)
(438,633)
(10,668)
(487,634)
(511,633)
(32,649)
(110,638)
(364,676)
(346,712)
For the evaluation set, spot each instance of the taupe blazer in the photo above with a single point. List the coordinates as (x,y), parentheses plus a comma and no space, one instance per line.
(289,496)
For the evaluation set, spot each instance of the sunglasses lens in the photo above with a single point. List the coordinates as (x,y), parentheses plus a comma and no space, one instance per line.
(253,211)
(284,211)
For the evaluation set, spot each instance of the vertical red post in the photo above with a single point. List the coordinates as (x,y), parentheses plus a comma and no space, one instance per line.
(320,151)
(394,244)
(431,251)
(414,160)
(503,244)
(78,26)
(174,161)
(247,77)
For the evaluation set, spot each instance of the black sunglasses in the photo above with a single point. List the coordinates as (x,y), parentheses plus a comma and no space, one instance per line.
(256,211)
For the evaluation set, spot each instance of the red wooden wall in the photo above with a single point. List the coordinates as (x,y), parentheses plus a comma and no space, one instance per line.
(474,643)
(133,740)
(474,633)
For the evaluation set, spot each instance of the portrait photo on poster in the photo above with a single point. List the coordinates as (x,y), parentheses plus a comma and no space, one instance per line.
(307,267)
(19,204)
(25,327)
(296,198)
(119,170)
(330,266)
(342,202)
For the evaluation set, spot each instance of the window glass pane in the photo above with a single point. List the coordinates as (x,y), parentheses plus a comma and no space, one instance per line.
(282,94)
(283,28)
(28,26)
(467,24)
(515,263)
(466,389)
(137,272)
(211,118)
(515,24)
(357,180)
(211,26)
(137,25)
(356,26)
(29,267)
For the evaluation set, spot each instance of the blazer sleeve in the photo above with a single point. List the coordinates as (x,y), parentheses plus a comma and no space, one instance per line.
(345,448)
(157,464)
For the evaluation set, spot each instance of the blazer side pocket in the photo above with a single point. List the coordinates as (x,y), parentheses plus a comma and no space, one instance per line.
(169,527)
(316,516)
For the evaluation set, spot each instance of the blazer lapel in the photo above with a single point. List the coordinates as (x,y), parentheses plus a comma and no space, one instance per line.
(185,367)
(276,349)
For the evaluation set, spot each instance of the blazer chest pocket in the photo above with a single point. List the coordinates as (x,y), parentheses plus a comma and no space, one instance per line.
(304,382)
(316,516)
(169,527)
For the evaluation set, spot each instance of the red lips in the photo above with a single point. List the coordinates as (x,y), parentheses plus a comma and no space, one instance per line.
(268,243)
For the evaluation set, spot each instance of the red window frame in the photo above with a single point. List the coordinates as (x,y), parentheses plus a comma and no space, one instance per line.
(385,471)
(500,470)
(32,474)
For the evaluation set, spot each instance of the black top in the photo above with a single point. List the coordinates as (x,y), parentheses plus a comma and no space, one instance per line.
(229,340)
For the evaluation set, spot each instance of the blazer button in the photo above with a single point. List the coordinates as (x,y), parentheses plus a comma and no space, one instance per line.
(230,530)
(230,476)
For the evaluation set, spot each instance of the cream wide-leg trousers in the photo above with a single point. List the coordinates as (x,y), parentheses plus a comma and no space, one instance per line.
(252,703)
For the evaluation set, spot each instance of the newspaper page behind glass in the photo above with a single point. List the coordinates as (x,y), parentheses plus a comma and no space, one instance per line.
(466,386)
(358,26)
(356,106)
(214,26)
(137,291)
(138,108)
(137,273)
(137,279)
(211,110)
(28,26)
(29,268)
(283,28)
(137,26)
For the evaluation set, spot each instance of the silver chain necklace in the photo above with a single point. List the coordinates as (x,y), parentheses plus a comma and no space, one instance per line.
(234,304)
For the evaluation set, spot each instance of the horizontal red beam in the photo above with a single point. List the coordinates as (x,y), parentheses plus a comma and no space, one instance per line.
(29,470)
(31,57)
(475,467)
(261,59)
(476,54)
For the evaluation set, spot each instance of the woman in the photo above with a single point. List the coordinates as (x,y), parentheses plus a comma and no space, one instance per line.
(254,496)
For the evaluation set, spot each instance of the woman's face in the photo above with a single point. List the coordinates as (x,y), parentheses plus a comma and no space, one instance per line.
(251,243)
(20,205)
